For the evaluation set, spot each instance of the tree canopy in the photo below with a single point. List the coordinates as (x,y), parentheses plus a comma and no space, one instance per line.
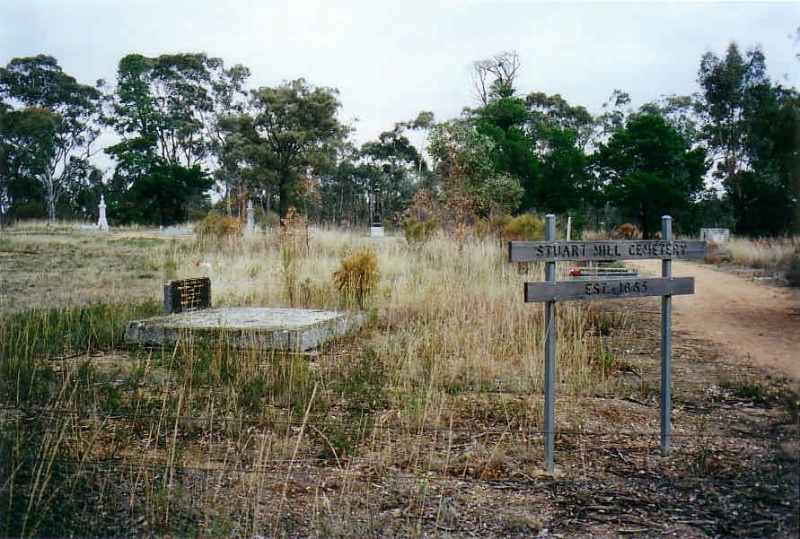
(648,170)
(49,124)
(290,132)
(183,124)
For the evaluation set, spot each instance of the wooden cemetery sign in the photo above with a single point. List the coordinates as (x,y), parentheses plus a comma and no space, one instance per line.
(187,295)
(551,291)
(610,288)
(564,251)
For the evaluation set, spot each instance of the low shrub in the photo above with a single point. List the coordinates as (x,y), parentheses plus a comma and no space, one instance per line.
(628,231)
(357,275)
(417,233)
(218,226)
(527,227)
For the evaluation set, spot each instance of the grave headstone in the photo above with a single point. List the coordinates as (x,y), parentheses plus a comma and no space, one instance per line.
(102,223)
(715,235)
(187,295)
(376,226)
(251,222)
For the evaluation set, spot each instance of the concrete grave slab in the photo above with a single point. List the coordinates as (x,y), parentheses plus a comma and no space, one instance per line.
(295,330)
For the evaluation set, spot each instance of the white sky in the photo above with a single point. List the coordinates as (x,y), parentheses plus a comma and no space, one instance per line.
(392,59)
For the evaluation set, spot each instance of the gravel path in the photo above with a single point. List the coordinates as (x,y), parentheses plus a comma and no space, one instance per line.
(757,322)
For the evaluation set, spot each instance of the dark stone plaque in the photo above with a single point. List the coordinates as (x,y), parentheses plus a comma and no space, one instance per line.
(187,295)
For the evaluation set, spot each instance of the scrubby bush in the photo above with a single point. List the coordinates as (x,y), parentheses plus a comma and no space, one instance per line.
(269,220)
(357,275)
(417,233)
(527,227)
(218,226)
(628,231)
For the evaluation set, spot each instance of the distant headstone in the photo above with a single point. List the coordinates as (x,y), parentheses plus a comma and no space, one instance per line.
(376,228)
(715,235)
(102,223)
(187,295)
(251,222)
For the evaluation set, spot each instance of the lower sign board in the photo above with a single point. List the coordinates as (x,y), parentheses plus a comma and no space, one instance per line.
(607,289)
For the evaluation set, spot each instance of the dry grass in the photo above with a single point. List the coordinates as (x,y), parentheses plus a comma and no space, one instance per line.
(377,436)
(772,254)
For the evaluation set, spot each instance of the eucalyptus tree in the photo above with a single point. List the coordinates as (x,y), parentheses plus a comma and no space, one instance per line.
(397,168)
(167,112)
(750,127)
(503,120)
(539,140)
(468,183)
(649,169)
(561,133)
(290,132)
(495,77)
(346,188)
(50,123)
(21,134)
(727,86)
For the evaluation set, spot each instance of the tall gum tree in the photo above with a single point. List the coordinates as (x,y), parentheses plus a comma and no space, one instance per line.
(50,132)
(649,169)
(292,131)
(165,107)
(750,127)
(561,133)
(167,110)
(398,168)
(467,181)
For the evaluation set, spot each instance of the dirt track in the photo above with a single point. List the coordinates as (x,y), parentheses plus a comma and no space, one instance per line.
(756,322)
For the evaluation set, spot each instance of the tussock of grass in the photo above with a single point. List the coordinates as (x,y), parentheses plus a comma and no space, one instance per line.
(770,254)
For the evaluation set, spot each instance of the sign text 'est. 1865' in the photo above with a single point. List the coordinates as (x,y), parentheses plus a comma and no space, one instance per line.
(607,289)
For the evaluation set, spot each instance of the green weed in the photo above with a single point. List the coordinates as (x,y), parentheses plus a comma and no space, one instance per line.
(357,276)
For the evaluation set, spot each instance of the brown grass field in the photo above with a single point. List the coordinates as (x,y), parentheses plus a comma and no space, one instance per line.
(426,423)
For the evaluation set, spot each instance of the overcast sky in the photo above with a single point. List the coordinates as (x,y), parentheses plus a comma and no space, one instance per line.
(391,59)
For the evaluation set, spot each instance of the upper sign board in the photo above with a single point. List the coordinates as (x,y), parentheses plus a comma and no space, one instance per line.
(558,251)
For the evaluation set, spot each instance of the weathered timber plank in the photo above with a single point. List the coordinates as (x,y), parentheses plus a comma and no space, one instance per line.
(542,251)
(607,289)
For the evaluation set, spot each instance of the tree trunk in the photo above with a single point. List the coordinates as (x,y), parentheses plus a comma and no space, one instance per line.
(51,203)
(283,194)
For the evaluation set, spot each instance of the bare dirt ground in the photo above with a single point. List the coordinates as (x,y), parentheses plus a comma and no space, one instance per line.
(751,320)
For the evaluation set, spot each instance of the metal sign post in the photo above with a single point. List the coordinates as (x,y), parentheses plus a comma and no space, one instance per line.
(550,352)
(550,291)
(666,342)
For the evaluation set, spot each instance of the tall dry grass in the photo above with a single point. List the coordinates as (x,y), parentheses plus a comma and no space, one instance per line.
(770,254)
(215,441)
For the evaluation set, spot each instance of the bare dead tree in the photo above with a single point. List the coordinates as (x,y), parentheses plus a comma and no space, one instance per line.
(494,77)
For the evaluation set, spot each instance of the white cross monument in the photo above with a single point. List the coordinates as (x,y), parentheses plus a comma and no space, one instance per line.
(102,223)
